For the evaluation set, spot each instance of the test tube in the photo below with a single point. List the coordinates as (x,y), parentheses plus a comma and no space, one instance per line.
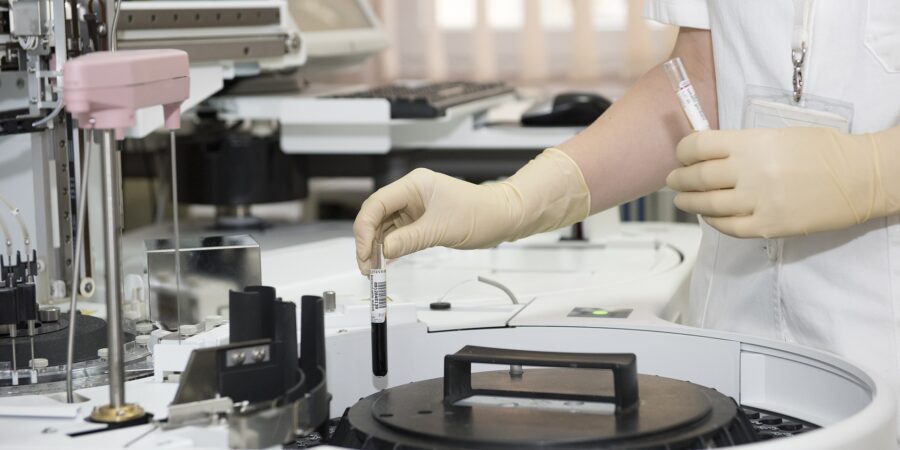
(683,88)
(378,286)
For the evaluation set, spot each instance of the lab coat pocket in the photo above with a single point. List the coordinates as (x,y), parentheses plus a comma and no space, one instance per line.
(882,35)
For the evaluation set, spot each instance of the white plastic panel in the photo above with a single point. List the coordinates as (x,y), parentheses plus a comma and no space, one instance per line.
(358,126)
(792,386)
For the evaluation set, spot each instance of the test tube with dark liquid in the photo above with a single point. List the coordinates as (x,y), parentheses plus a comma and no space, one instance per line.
(378,287)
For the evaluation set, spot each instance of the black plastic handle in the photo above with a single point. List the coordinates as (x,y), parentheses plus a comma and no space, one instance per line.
(458,373)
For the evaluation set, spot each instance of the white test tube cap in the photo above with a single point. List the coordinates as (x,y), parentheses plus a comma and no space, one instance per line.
(676,73)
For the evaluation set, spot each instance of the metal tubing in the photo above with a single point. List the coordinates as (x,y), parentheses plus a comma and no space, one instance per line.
(111,230)
(33,371)
(76,263)
(176,231)
(15,367)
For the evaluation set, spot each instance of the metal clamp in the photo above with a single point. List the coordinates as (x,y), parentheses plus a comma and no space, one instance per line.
(798,57)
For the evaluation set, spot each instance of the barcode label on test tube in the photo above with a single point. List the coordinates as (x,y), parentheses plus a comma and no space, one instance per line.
(379,295)
(691,105)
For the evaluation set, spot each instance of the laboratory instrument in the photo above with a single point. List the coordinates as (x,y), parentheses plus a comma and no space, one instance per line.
(230,375)
(430,100)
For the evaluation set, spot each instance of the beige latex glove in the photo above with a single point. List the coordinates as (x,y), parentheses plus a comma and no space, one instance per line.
(427,209)
(784,182)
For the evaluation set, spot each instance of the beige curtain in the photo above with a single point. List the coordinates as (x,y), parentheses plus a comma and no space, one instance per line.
(533,46)
(434,47)
(583,54)
(640,45)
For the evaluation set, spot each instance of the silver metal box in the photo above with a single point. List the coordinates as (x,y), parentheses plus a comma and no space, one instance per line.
(29,17)
(210,266)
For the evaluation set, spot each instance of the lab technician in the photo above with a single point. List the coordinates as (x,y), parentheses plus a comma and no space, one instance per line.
(798,186)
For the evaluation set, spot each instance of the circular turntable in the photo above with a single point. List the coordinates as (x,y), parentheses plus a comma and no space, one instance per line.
(576,400)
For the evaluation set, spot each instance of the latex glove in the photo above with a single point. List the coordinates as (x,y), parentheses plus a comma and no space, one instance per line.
(426,209)
(784,182)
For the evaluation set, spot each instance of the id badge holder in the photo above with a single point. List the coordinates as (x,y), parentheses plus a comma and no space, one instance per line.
(775,108)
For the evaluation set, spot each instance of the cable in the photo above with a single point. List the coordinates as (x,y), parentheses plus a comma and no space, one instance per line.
(117,6)
(79,243)
(500,286)
(57,109)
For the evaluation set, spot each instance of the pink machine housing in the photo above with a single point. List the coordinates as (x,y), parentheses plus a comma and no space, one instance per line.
(102,90)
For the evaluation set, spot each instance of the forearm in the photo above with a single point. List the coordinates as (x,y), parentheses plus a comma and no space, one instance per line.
(630,149)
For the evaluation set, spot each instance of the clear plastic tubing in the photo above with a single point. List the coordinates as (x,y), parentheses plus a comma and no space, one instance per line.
(683,88)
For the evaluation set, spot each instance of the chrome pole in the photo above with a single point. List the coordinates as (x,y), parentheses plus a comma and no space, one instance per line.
(111,230)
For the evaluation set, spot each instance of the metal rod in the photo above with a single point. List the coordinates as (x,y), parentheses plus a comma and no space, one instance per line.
(177,237)
(31,341)
(15,368)
(111,229)
(112,22)
(79,243)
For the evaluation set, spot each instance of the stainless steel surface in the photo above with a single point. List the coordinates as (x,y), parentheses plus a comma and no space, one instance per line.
(219,48)
(29,17)
(330,301)
(13,91)
(112,265)
(173,18)
(199,413)
(210,266)
(49,314)
(199,379)
(53,215)
(262,428)
(247,355)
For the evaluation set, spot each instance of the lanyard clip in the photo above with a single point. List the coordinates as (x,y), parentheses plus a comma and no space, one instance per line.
(798,56)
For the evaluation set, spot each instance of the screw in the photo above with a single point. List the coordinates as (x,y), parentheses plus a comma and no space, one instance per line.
(259,354)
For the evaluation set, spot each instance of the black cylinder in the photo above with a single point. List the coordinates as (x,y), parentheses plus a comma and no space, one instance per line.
(227,167)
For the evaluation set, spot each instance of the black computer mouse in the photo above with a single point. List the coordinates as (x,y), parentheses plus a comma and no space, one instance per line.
(567,110)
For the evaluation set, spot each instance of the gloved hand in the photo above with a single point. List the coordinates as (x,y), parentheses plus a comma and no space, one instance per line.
(426,209)
(784,182)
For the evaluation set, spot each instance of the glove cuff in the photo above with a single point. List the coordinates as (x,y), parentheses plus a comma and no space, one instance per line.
(887,149)
(548,193)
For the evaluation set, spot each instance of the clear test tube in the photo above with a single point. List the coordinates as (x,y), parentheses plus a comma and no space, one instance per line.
(378,286)
(683,88)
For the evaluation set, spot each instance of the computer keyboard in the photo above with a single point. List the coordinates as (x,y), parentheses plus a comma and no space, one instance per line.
(430,100)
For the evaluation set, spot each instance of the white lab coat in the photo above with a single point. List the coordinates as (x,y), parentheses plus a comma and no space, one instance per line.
(837,291)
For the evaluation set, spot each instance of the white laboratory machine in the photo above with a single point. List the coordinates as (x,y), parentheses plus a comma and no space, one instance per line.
(260,336)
